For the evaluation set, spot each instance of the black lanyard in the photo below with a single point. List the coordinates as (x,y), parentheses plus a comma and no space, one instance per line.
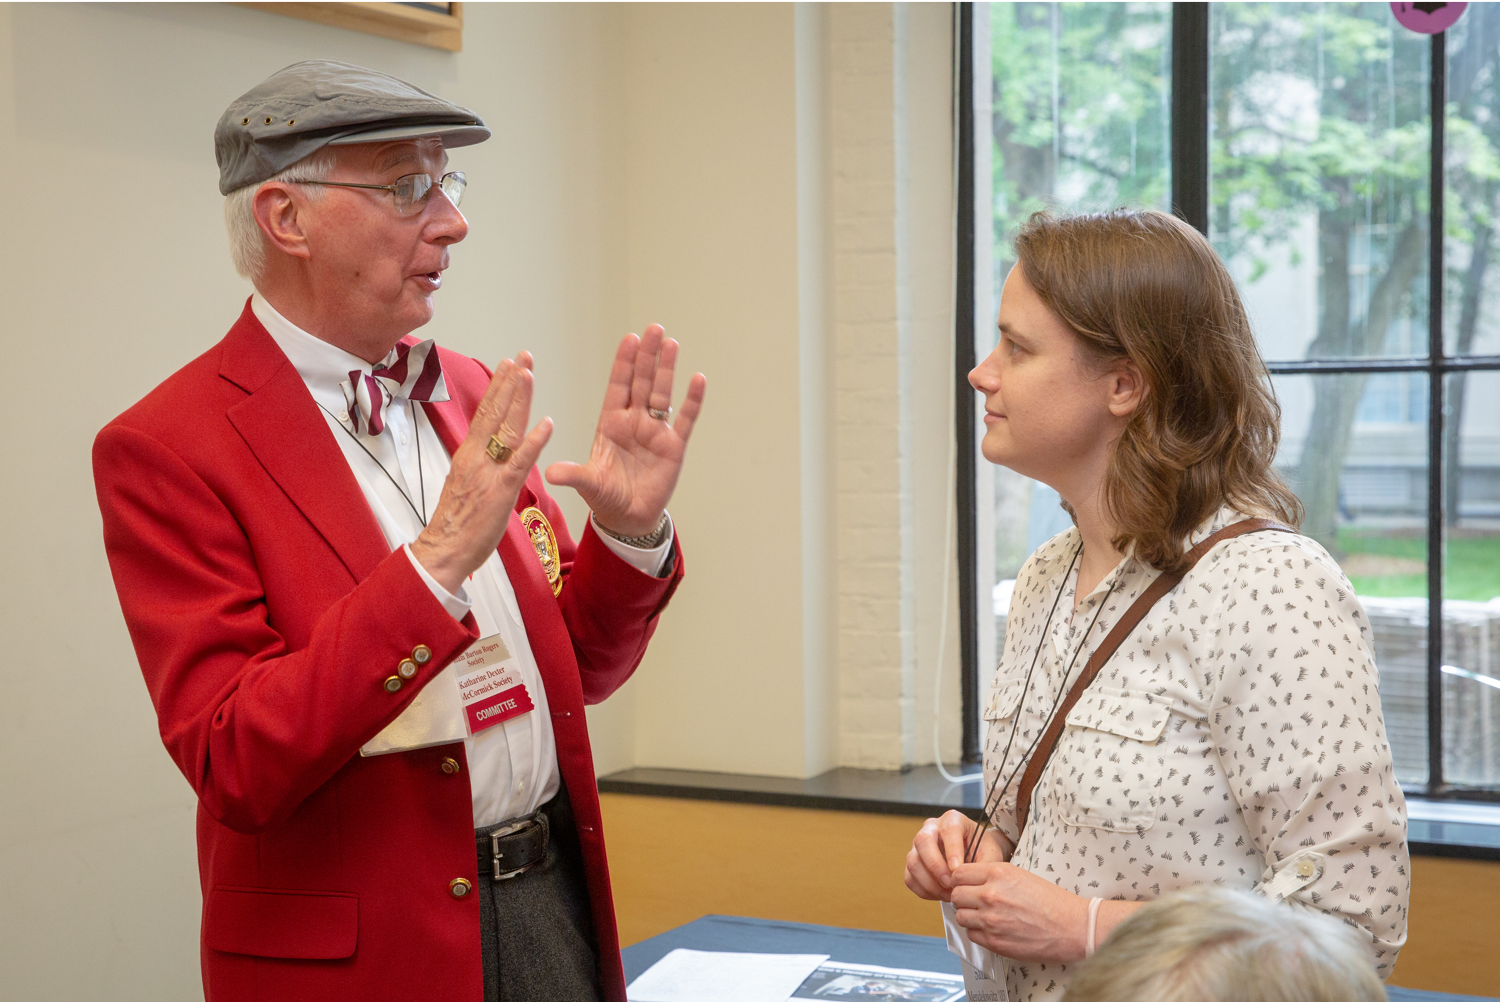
(998,788)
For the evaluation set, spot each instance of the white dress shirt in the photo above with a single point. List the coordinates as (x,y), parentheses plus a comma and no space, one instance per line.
(1234,738)
(512,765)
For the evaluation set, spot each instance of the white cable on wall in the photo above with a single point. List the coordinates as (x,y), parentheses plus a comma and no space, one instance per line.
(952,468)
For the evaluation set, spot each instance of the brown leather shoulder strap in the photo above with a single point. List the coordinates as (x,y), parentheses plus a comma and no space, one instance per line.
(1164,583)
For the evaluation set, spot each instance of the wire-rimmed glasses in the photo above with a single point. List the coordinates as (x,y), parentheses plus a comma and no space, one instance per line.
(410,191)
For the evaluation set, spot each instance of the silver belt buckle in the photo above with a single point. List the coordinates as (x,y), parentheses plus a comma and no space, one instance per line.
(495,838)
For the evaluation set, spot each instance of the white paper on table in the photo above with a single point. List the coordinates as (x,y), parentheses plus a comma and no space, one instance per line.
(984,975)
(701,976)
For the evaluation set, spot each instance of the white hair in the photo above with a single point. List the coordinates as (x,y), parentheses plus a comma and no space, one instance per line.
(1209,944)
(246,242)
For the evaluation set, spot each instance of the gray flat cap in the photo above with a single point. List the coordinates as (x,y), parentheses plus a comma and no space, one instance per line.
(301,109)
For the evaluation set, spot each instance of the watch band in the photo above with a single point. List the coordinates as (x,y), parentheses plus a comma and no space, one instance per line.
(649,541)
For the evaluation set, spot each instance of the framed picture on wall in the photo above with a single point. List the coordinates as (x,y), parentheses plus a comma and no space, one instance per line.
(439,25)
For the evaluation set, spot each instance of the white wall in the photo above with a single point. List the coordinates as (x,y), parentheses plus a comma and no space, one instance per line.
(712,235)
(668,163)
(790,201)
(114,273)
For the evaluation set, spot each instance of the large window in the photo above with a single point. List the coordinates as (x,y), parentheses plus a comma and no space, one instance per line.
(1360,231)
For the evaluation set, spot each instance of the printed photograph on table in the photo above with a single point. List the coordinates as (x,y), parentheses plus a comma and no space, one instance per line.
(880,984)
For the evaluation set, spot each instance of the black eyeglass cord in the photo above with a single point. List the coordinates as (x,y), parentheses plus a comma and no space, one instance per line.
(421,479)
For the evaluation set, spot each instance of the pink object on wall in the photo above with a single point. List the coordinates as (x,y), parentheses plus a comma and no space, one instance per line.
(1428,18)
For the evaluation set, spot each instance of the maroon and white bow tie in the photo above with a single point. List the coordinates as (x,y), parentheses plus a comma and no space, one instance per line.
(410,371)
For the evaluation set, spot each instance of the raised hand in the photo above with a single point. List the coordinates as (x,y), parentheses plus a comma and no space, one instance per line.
(636,458)
(480,492)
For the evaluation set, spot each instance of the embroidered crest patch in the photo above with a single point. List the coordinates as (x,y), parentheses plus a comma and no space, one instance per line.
(544,541)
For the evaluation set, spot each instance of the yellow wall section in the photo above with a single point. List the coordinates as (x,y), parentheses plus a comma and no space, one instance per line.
(673,861)
(1455,918)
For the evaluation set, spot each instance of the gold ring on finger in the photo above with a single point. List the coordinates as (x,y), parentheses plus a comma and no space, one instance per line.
(498,450)
(659,415)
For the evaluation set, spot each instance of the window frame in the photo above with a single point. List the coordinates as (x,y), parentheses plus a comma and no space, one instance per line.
(1190,179)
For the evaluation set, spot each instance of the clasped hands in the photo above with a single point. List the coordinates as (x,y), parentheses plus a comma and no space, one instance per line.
(631,472)
(1007,910)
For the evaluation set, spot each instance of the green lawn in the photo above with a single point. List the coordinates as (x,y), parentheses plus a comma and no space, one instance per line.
(1473,565)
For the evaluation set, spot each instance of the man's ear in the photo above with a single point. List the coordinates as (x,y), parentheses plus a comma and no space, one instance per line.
(1127,388)
(278,213)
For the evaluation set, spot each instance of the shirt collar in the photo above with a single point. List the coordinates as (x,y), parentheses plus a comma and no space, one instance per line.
(1226,515)
(1061,545)
(1064,543)
(321,365)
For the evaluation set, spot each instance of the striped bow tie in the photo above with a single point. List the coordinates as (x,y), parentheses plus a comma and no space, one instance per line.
(410,371)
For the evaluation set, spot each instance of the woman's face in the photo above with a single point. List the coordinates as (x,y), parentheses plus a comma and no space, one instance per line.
(1048,416)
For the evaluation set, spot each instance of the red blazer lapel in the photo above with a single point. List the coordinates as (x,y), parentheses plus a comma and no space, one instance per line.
(546,630)
(284,429)
(449,421)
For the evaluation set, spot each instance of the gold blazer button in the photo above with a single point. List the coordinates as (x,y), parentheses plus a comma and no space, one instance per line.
(393,684)
(459,887)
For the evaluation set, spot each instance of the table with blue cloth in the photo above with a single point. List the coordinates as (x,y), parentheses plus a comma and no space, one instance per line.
(730,934)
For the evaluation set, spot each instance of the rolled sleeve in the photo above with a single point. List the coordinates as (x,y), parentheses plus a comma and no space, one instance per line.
(1299,730)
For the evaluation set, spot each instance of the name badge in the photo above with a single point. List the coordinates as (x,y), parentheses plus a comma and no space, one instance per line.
(489,685)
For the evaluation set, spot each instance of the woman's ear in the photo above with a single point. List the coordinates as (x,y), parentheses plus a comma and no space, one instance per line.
(1127,388)
(279,216)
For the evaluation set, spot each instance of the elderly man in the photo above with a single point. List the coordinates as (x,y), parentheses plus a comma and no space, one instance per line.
(367,632)
(1219,944)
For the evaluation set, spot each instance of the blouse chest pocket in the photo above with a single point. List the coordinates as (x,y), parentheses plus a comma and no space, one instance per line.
(1000,709)
(1108,767)
(1000,713)
(1005,695)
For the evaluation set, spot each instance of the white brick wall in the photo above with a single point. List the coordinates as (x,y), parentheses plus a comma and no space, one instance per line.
(872,363)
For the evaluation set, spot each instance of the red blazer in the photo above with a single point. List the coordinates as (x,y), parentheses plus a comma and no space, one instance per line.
(267,612)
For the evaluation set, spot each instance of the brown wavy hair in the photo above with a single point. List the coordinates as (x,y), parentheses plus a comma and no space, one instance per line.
(1147,287)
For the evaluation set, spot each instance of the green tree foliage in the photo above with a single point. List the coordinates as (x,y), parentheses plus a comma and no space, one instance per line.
(1319,114)
(1081,109)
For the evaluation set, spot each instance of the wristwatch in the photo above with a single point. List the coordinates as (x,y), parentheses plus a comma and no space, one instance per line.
(649,541)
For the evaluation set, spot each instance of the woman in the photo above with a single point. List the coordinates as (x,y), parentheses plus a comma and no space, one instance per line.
(1235,736)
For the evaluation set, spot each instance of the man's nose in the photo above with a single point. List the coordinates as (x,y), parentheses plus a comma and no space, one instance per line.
(447,224)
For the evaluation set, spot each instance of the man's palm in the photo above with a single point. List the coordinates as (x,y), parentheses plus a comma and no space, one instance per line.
(636,458)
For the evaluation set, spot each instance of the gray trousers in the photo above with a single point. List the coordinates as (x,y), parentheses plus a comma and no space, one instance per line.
(536,929)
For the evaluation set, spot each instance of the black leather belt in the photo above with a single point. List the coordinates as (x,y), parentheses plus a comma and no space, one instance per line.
(513,847)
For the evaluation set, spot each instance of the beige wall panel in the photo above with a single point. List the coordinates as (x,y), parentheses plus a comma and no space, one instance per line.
(1455,915)
(712,237)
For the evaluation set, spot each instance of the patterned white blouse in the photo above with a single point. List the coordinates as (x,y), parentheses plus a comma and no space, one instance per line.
(1235,737)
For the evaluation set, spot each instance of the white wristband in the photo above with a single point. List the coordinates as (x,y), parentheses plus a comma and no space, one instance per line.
(1094,903)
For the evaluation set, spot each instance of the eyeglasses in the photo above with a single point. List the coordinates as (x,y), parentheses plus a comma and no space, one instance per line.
(411,190)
